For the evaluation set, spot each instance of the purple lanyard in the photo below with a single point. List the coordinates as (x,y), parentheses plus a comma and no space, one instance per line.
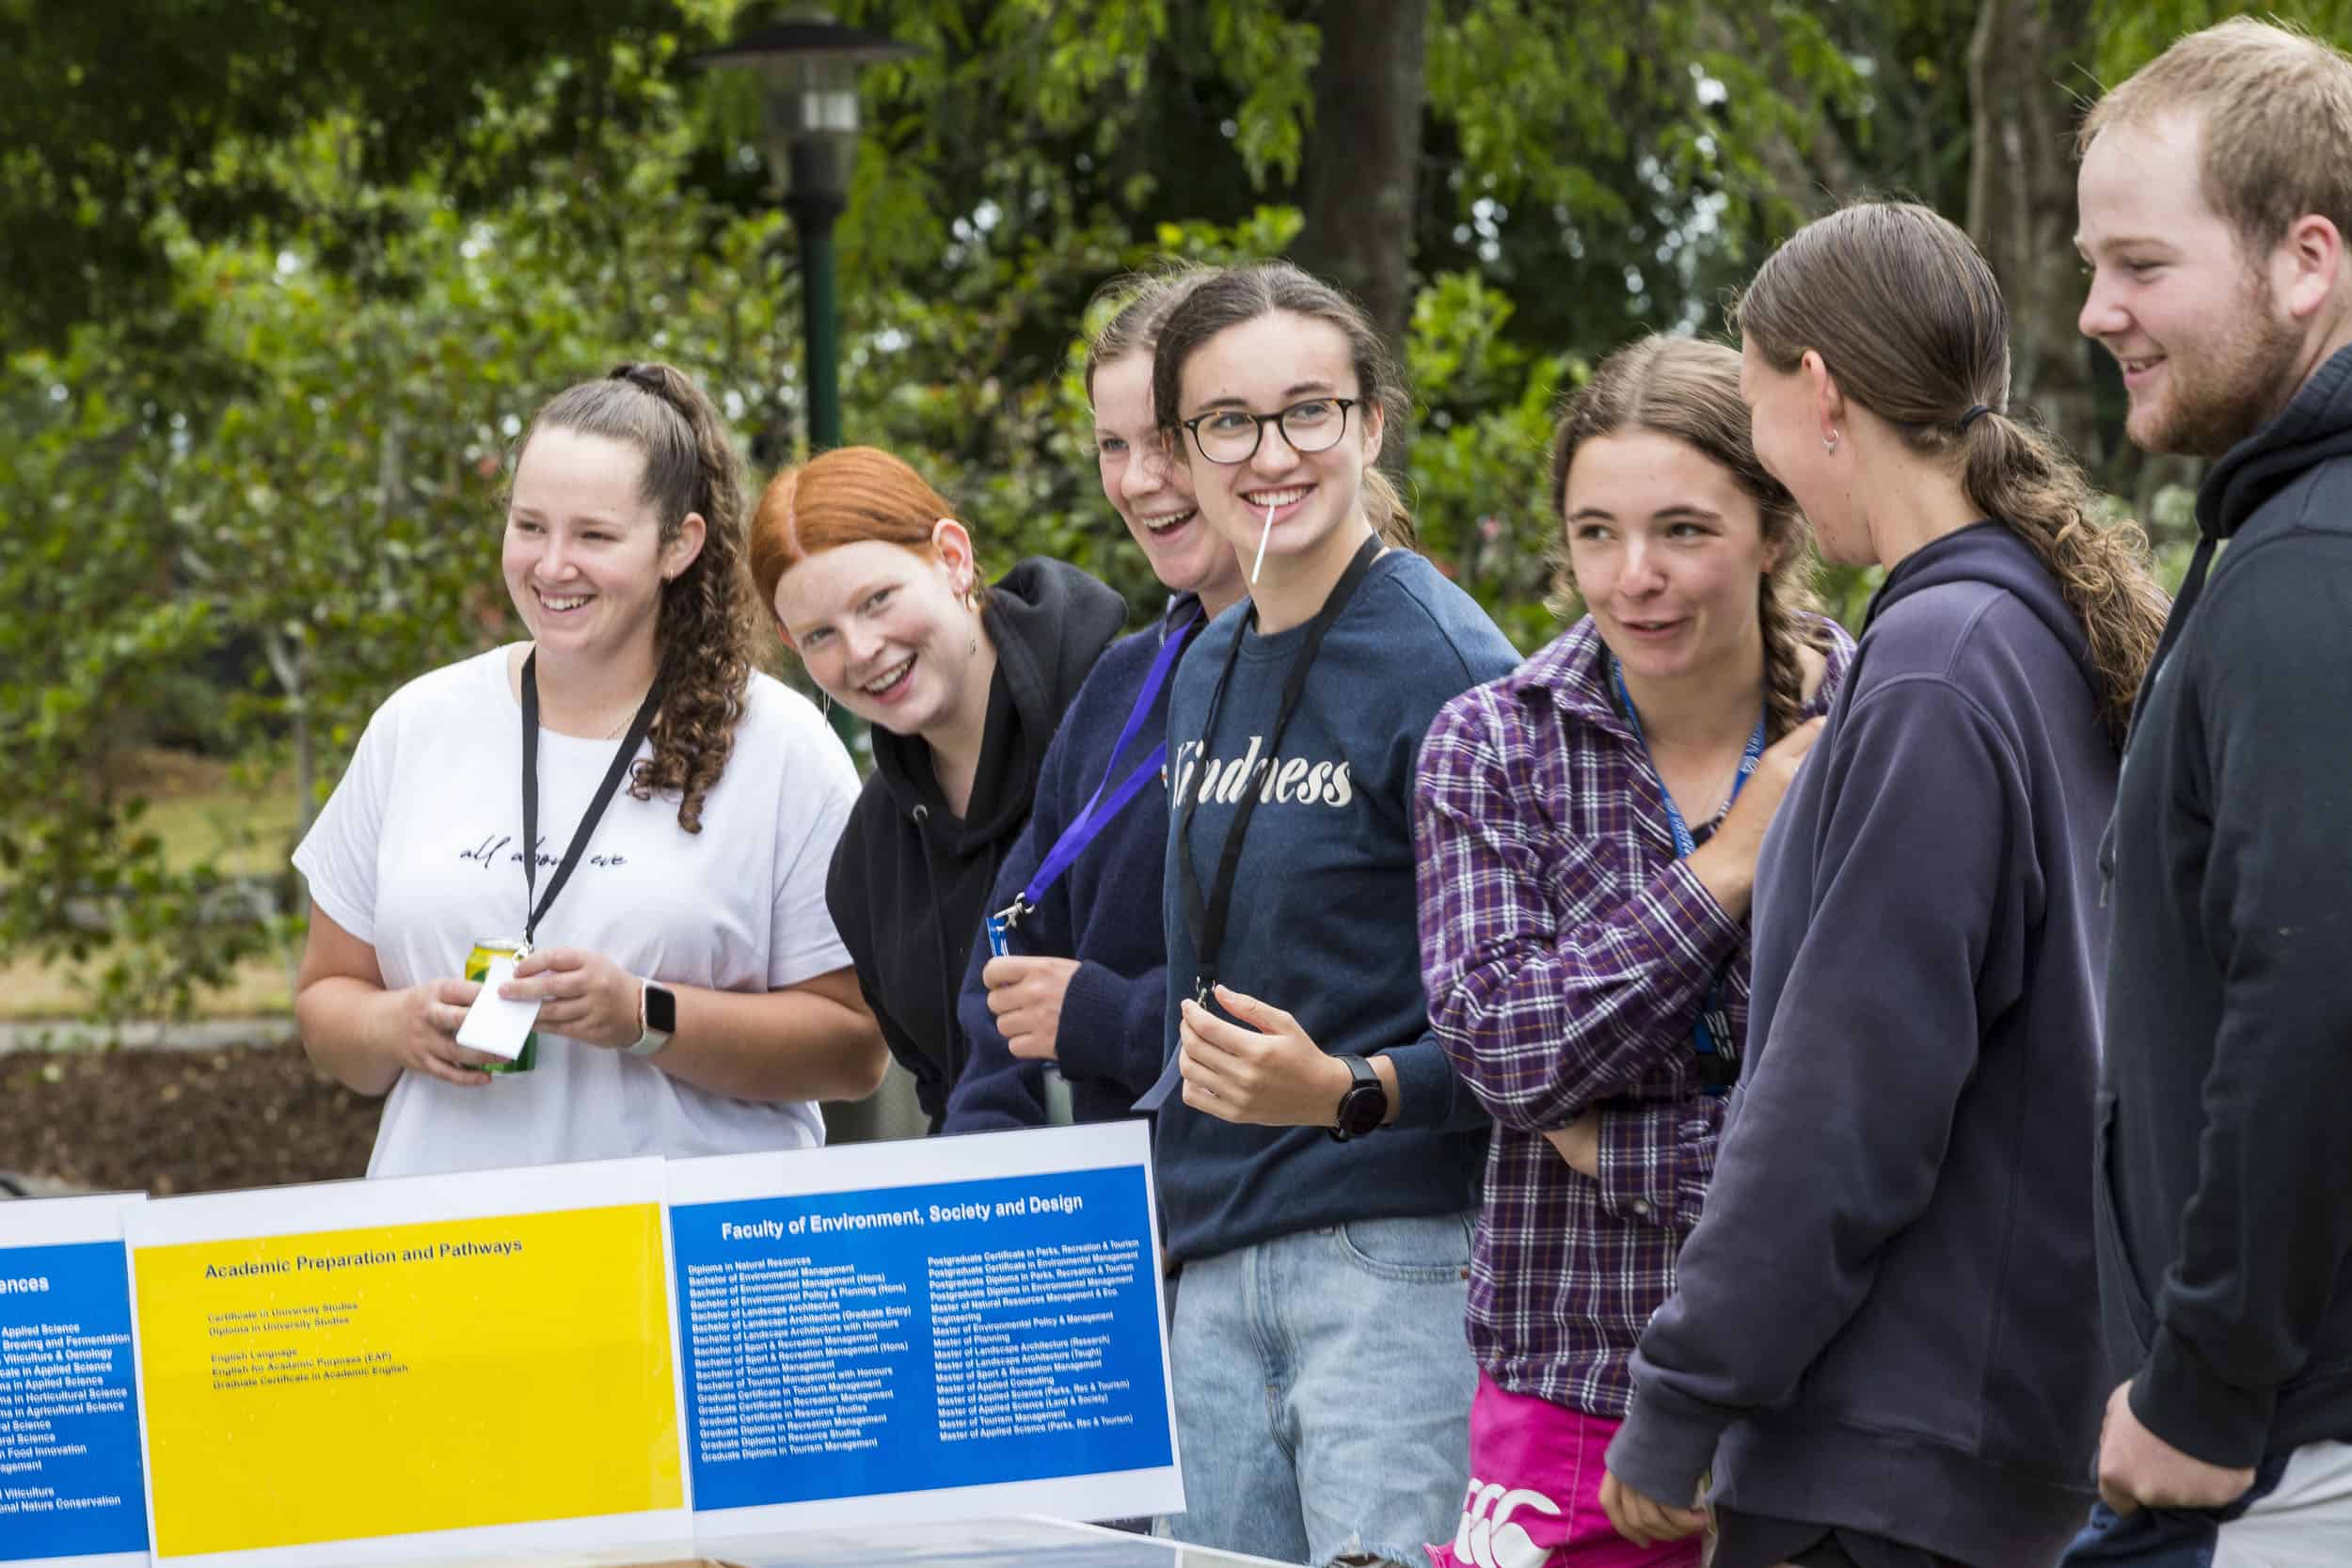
(1107,800)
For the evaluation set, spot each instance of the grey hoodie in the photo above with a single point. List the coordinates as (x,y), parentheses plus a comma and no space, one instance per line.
(1887,1319)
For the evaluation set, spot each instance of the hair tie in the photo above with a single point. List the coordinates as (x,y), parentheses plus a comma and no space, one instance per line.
(642,376)
(1972,417)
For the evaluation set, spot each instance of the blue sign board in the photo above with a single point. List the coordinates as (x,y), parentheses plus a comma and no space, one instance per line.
(69,1483)
(894,1340)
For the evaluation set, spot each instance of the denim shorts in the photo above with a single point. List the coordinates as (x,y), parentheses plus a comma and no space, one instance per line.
(1322,1390)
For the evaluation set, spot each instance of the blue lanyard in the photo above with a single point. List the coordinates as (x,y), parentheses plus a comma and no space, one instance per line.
(1718,1053)
(1107,800)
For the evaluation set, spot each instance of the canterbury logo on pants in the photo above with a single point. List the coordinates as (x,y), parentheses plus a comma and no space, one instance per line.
(1533,1499)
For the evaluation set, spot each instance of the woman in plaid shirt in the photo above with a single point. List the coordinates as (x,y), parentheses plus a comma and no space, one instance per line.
(1587,830)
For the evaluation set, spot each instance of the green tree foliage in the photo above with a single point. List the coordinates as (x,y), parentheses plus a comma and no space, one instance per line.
(317,521)
(287,277)
(2133,32)
(116,115)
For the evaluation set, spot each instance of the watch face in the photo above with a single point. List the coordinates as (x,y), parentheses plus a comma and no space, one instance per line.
(1362,1109)
(661,1008)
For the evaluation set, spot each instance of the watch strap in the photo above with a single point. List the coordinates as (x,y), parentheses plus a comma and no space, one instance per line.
(1349,1123)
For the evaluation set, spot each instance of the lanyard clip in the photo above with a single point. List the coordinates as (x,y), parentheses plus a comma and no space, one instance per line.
(1011,914)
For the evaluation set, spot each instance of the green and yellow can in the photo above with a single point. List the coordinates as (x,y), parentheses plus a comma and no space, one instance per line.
(478,969)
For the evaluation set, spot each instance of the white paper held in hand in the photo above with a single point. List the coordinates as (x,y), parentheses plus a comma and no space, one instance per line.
(494,1025)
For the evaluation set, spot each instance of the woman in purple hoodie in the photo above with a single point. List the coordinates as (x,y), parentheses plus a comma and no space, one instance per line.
(1883,1336)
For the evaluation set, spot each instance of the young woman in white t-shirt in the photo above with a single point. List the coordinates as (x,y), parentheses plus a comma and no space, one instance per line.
(694,997)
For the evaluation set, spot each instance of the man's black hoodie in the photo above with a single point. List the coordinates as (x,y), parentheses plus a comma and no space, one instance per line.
(1884,1321)
(910,880)
(2224,1176)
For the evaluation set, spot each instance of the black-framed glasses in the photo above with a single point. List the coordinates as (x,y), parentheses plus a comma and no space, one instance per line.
(1231,435)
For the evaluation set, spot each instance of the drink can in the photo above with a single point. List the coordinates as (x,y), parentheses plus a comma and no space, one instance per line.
(478,969)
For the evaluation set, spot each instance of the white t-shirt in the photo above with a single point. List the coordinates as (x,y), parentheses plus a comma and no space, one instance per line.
(415,854)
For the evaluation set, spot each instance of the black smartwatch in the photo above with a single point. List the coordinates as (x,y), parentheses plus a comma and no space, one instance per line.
(1364,1106)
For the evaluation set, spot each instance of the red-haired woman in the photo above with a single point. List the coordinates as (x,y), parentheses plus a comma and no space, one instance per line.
(877,588)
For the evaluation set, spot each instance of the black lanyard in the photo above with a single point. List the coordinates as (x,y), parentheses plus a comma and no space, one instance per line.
(1205,918)
(605,791)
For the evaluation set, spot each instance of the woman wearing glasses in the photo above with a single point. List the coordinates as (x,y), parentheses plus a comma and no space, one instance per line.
(877,588)
(1318,1160)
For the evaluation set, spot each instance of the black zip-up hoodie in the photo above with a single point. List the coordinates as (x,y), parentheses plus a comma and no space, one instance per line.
(2224,1174)
(910,880)
(1885,1321)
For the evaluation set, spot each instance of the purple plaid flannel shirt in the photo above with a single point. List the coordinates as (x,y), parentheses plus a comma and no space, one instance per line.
(1567,953)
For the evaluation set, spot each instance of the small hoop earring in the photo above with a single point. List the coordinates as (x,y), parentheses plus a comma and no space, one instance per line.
(1829,442)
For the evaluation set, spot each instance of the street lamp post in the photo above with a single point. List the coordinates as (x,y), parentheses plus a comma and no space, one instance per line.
(810,65)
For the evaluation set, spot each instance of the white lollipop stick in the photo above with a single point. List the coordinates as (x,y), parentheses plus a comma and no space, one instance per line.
(1263,536)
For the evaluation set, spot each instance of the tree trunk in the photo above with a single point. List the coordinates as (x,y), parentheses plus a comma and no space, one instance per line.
(2027,62)
(1357,188)
(1816,175)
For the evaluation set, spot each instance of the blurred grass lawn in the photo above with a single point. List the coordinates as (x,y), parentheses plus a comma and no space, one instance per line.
(200,812)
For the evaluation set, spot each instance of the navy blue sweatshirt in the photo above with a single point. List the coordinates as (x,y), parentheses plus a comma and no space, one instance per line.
(2225,1183)
(1104,912)
(1323,921)
(1886,1320)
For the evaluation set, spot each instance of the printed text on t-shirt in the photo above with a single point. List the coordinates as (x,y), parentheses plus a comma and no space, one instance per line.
(492,850)
(1279,781)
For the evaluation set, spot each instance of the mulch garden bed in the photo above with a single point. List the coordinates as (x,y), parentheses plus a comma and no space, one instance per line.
(180,1121)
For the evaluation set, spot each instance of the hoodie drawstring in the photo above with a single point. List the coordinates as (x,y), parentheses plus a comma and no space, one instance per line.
(950,972)
(922,816)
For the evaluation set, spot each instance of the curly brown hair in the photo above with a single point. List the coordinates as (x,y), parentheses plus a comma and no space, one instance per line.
(1689,391)
(704,631)
(1907,315)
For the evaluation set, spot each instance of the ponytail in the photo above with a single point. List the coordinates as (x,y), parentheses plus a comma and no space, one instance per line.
(1384,508)
(2017,475)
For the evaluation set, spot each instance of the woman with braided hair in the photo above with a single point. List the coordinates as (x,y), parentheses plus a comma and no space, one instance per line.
(662,860)
(1587,829)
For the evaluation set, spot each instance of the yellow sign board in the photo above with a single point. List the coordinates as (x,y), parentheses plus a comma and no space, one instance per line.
(403,1379)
